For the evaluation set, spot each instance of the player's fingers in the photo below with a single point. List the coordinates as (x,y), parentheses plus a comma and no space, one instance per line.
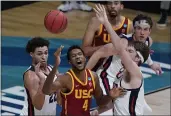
(37,67)
(122,93)
(97,8)
(100,6)
(120,88)
(104,10)
(58,51)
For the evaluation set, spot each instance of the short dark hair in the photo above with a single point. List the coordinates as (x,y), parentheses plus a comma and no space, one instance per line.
(141,47)
(106,2)
(36,42)
(71,48)
(143,17)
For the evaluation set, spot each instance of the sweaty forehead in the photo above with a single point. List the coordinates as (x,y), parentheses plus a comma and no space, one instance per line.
(75,51)
(110,2)
(41,49)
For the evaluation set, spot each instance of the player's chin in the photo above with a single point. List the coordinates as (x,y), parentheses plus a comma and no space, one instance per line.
(81,68)
(43,63)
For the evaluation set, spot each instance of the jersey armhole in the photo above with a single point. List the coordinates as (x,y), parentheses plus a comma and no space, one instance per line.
(99,31)
(93,80)
(72,85)
(129,27)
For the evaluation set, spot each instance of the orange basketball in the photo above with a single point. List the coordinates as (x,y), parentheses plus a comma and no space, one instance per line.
(55,21)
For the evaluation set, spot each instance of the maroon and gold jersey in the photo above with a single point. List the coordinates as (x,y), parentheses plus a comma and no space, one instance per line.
(78,101)
(102,37)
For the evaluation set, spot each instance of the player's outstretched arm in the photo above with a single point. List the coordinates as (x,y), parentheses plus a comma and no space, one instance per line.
(105,51)
(50,86)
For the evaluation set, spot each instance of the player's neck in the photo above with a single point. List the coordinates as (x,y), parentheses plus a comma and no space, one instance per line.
(79,73)
(115,21)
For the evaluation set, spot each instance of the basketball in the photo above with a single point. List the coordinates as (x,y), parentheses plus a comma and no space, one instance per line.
(55,21)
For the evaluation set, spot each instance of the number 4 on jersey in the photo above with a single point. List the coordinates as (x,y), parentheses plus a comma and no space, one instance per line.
(85,105)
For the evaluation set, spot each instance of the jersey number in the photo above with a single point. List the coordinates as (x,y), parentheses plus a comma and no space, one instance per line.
(52,98)
(85,105)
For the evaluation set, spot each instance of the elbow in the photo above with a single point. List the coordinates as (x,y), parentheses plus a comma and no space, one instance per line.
(38,107)
(86,52)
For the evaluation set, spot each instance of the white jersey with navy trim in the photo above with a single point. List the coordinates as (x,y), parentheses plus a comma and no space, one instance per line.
(49,106)
(111,71)
(132,103)
(130,37)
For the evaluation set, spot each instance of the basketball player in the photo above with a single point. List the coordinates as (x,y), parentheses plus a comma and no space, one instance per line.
(37,103)
(132,55)
(77,85)
(96,34)
(141,33)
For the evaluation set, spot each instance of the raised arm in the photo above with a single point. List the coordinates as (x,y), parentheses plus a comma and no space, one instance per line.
(105,51)
(92,28)
(120,44)
(50,85)
(153,65)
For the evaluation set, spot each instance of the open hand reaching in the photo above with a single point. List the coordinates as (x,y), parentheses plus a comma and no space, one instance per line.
(57,55)
(101,13)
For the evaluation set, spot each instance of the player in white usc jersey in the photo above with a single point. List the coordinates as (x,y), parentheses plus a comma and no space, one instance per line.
(37,103)
(132,54)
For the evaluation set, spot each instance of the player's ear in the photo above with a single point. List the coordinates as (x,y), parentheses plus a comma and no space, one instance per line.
(69,62)
(31,54)
(122,6)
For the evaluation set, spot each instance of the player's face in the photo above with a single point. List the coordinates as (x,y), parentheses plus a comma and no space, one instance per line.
(113,8)
(133,54)
(77,59)
(40,55)
(141,33)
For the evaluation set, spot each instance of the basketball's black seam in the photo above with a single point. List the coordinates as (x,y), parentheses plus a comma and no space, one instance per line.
(62,23)
(54,21)
(65,25)
(46,18)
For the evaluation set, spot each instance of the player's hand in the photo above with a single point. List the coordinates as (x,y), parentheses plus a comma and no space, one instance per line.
(156,67)
(57,55)
(117,92)
(101,13)
(38,72)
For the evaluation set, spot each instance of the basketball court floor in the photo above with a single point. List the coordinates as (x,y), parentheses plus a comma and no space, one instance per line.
(21,23)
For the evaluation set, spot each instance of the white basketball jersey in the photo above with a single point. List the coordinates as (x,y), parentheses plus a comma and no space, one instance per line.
(49,106)
(132,103)
(110,72)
